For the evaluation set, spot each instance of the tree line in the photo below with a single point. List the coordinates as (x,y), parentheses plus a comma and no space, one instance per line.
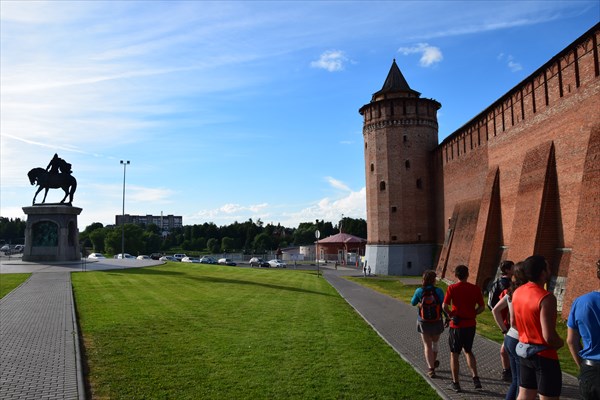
(249,237)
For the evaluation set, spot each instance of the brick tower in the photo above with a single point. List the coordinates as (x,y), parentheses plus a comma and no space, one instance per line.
(400,132)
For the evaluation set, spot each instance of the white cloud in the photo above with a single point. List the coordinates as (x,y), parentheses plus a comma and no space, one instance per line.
(429,54)
(337,184)
(331,60)
(513,65)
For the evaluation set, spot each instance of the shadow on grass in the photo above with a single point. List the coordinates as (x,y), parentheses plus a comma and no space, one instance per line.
(142,271)
(212,279)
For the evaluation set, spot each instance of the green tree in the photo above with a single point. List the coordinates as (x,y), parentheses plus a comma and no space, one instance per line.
(227,244)
(212,245)
(97,237)
(262,243)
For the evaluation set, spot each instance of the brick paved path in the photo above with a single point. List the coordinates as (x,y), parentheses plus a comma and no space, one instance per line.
(395,322)
(38,339)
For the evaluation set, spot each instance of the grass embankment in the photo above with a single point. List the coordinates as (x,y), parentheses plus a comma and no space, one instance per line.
(486,326)
(211,332)
(10,281)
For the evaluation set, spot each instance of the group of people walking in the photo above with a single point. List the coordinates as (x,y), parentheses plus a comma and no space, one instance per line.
(526,313)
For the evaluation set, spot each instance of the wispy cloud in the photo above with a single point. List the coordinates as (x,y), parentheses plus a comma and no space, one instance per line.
(513,65)
(331,60)
(337,184)
(429,54)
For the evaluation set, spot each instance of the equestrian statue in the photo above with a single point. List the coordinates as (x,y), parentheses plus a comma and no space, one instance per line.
(56,175)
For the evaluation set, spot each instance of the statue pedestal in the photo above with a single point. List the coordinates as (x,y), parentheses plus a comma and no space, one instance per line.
(51,233)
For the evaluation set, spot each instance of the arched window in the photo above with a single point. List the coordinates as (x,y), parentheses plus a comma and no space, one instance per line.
(382,186)
(407,164)
(419,184)
(372,167)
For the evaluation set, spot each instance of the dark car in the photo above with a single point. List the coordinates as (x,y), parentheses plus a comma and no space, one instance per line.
(258,262)
(226,261)
(155,256)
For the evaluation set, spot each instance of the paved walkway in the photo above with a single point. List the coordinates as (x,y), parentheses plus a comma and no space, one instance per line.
(39,354)
(395,322)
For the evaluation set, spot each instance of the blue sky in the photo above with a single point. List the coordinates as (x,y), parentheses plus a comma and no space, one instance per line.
(237,110)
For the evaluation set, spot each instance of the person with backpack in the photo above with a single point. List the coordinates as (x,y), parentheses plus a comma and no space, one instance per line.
(429,298)
(499,286)
(506,323)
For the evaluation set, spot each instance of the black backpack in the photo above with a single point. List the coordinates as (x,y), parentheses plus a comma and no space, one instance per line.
(431,309)
(496,289)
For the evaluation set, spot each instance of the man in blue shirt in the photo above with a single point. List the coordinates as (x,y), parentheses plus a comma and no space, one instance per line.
(583,338)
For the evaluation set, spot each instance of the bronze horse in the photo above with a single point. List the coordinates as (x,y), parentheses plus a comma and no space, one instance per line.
(46,180)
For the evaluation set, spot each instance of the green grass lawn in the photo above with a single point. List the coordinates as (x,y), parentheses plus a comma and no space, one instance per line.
(486,326)
(10,281)
(213,332)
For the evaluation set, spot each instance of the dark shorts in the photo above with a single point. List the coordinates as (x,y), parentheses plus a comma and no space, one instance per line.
(461,338)
(589,382)
(542,374)
(430,328)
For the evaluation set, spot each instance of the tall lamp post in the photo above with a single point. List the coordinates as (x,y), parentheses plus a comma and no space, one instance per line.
(125,164)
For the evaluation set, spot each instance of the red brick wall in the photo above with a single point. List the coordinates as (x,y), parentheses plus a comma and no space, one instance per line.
(538,136)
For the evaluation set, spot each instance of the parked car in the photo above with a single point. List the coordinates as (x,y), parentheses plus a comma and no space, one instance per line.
(258,262)
(124,256)
(6,247)
(178,257)
(226,261)
(155,256)
(167,258)
(277,263)
(143,257)
(190,260)
(96,256)
(208,260)
(19,248)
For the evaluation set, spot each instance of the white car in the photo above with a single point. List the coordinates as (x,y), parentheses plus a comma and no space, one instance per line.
(190,260)
(143,257)
(96,256)
(124,256)
(226,261)
(277,264)
(167,258)
(179,256)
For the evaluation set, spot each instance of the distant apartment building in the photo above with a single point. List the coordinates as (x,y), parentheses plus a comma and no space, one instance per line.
(165,222)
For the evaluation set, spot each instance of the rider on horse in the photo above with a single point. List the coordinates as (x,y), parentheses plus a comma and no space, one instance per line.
(57,164)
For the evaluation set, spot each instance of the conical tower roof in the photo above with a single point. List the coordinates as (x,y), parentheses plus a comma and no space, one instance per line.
(395,83)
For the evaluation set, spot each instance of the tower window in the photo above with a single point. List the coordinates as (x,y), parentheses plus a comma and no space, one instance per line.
(394,238)
(365,145)
(419,184)
(382,186)
(407,164)
(409,264)
(394,209)
(372,167)
(405,138)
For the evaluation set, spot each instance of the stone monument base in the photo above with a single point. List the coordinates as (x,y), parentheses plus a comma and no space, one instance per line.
(51,233)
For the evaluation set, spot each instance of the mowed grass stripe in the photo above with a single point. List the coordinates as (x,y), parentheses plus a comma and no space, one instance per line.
(208,332)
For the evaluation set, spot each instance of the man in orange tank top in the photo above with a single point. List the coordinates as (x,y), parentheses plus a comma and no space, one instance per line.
(535,319)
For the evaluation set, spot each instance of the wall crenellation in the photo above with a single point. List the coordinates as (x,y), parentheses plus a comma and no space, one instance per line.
(562,76)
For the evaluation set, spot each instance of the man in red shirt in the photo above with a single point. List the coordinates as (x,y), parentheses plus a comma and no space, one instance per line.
(463,301)
(535,319)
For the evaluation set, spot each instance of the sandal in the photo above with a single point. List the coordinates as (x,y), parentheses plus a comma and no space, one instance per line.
(431,373)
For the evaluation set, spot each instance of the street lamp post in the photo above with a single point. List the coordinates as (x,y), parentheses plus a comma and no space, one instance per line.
(125,164)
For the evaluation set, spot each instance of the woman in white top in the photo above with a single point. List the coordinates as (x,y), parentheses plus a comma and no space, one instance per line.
(507,324)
